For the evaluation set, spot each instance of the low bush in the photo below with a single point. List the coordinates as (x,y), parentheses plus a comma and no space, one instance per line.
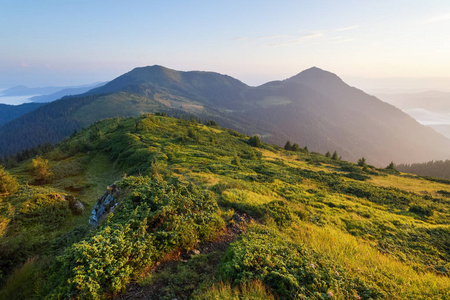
(156,218)
(49,209)
(8,183)
(291,270)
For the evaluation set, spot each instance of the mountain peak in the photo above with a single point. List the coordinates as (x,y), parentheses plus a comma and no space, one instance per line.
(316,74)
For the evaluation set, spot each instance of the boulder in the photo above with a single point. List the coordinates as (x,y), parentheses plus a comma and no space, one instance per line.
(105,204)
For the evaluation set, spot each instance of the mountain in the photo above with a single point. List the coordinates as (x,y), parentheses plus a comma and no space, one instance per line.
(443,129)
(431,108)
(154,207)
(21,90)
(10,112)
(437,101)
(314,108)
(173,88)
(70,91)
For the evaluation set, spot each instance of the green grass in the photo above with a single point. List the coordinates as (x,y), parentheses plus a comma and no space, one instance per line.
(368,233)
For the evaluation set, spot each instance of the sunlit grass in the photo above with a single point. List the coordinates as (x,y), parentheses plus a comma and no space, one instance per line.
(359,257)
(253,290)
(415,185)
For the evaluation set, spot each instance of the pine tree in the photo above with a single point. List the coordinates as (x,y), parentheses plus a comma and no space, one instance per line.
(328,154)
(288,146)
(334,156)
(254,141)
(391,166)
(295,147)
(362,162)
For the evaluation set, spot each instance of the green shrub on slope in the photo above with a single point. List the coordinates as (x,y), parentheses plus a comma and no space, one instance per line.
(291,270)
(154,219)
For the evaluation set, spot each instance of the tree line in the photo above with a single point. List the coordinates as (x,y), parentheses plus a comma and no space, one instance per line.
(438,168)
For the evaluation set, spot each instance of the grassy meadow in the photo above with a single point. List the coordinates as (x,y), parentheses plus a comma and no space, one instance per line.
(316,227)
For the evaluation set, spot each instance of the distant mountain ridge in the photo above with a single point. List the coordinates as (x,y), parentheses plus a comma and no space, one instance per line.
(22,90)
(69,91)
(431,108)
(314,108)
(11,112)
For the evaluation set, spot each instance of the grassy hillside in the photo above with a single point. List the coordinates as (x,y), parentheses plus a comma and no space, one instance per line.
(203,214)
(314,108)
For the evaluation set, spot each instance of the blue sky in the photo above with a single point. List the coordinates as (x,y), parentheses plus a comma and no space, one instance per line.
(77,42)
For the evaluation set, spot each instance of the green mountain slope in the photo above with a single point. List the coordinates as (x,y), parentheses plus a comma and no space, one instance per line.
(11,112)
(437,168)
(314,108)
(268,222)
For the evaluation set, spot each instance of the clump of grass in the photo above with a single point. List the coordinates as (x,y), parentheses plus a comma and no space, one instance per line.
(252,290)
(25,281)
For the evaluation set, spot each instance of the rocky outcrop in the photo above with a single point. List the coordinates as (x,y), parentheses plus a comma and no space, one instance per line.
(106,204)
(75,205)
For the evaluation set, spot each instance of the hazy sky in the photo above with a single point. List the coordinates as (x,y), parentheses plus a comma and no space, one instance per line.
(76,42)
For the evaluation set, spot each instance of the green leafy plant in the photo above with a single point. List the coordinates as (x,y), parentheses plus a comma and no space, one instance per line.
(8,183)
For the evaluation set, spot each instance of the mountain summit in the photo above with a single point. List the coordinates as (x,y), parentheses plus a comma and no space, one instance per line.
(314,108)
(316,75)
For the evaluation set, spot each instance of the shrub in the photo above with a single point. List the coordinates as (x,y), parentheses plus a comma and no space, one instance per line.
(8,183)
(155,218)
(48,209)
(291,270)
(211,123)
(424,211)
(41,169)
(280,211)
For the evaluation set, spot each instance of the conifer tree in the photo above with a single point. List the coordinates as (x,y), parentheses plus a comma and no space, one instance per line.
(328,154)
(334,156)
(391,166)
(288,146)
(254,141)
(362,162)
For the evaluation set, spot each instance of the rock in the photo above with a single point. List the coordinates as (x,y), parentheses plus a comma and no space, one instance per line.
(106,204)
(75,205)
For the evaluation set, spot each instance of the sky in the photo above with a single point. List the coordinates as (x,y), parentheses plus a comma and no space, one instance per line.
(383,44)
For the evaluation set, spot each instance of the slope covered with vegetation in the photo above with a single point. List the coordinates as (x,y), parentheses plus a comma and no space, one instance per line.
(290,224)
(314,108)
(436,168)
(11,112)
